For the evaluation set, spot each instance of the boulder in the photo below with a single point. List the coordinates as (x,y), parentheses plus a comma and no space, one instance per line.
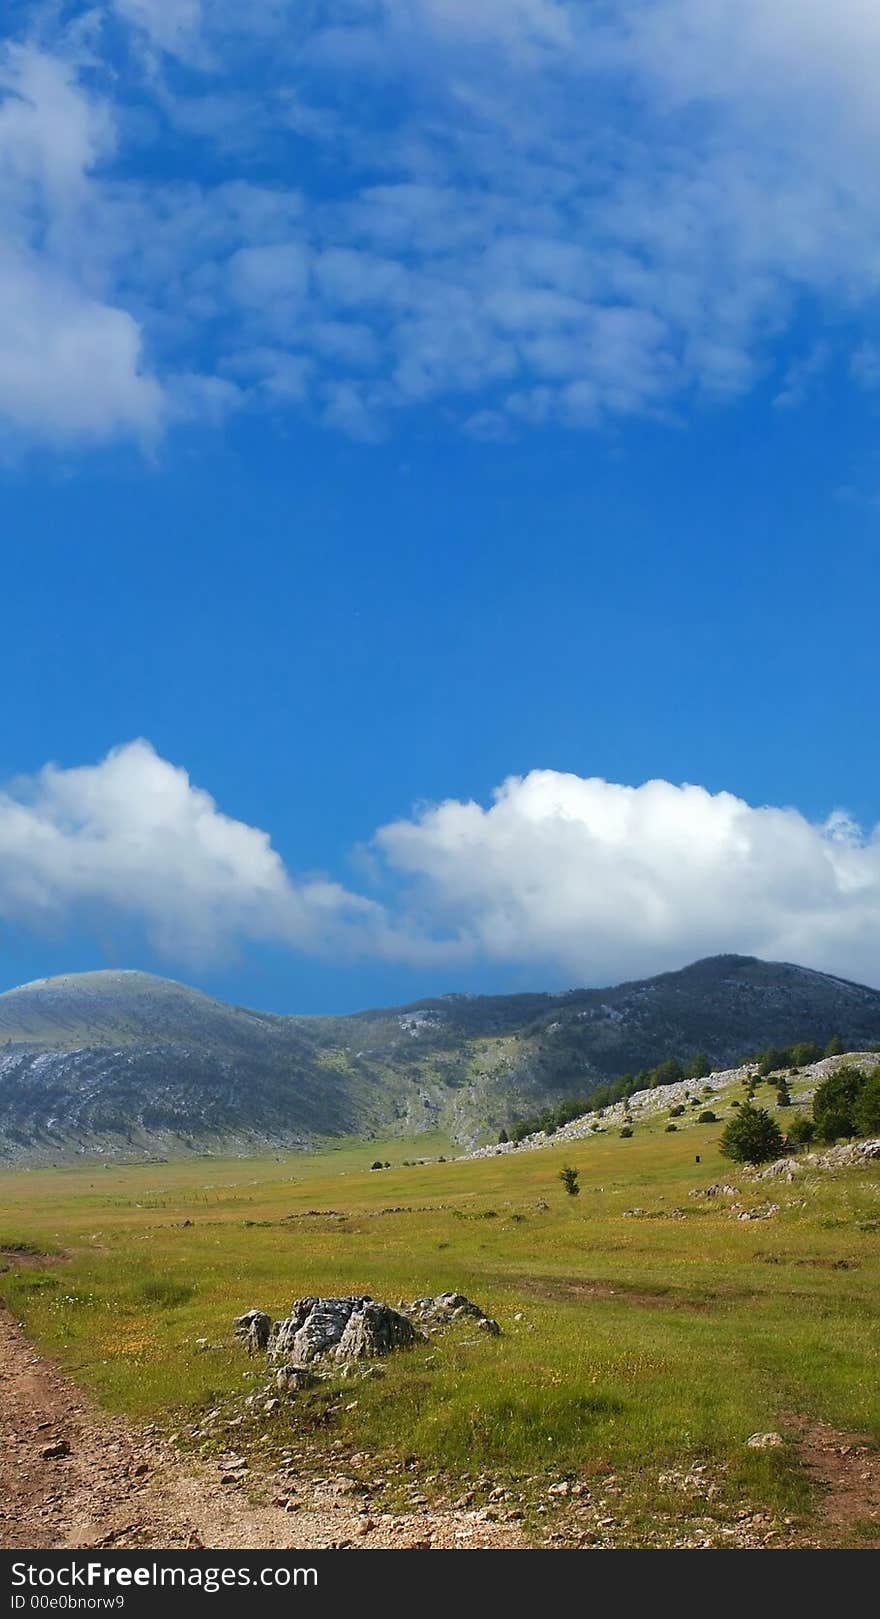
(254,1329)
(764,1441)
(341,1329)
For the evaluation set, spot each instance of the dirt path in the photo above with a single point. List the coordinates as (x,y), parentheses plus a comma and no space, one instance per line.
(847,1473)
(69,1477)
(72,1477)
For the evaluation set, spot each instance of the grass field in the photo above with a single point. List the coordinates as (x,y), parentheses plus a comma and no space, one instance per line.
(633,1344)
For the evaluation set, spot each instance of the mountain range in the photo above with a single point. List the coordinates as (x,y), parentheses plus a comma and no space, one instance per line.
(124,1064)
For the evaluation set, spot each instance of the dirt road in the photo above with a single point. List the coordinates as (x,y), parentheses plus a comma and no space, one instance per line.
(70,1477)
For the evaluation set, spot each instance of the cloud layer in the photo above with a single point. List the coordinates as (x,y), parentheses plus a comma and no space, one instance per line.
(528,211)
(582,879)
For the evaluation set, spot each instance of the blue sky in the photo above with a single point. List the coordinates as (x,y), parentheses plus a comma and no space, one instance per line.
(430,437)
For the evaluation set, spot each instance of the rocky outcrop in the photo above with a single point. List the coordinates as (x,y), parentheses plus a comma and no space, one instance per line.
(335,1332)
(341,1329)
(849,1152)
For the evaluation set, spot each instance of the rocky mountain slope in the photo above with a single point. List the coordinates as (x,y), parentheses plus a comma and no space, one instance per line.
(128,1064)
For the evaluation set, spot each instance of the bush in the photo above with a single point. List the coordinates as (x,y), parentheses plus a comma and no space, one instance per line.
(671,1127)
(569,1179)
(626,1132)
(752,1137)
(676,1112)
(377,1164)
(866,1112)
(834,1103)
(801,1130)
(707,1117)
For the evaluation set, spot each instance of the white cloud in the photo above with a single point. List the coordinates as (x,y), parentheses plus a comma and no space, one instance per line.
(582,879)
(70,362)
(605,882)
(526,210)
(131,841)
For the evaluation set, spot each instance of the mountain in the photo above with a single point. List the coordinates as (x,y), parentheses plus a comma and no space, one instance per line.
(127,1064)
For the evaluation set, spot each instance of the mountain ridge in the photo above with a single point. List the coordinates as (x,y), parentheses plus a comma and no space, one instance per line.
(121,1062)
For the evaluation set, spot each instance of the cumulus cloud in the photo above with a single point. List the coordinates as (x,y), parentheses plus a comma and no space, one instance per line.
(527,211)
(604,881)
(581,880)
(70,360)
(131,841)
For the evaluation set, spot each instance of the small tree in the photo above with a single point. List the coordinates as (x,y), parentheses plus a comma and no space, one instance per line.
(805,1053)
(783,1094)
(866,1112)
(569,1179)
(626,1132)
(834,1103)
(699,1066)
(801,1130)
(834,1047)
(502,1137)
(752,1137)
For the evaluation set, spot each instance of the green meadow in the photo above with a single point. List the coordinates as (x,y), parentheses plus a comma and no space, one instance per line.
(632,1342)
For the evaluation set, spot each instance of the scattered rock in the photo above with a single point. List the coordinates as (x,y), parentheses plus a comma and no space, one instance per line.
(764,1441)
(445,1308)
(291,1379)
(53,1453)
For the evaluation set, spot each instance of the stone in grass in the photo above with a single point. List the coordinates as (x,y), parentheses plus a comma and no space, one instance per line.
(765,1441)
(291,1379)
(341,1329)
(445,1308)
(253,1328)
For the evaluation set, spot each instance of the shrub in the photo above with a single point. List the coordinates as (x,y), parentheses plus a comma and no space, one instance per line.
(752,1137)
(671,1127)
(801,1130)
(677,1111)
(627,1131)
(377,1164)
(569,1178)
(707,1117)
(866,1112)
